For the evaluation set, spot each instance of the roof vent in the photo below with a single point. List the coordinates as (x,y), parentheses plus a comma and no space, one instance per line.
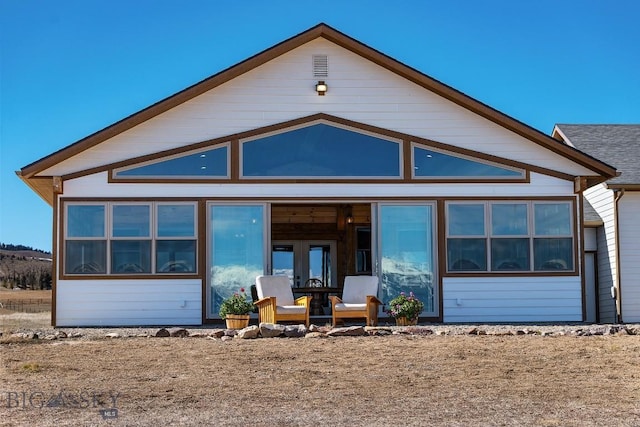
(320,66)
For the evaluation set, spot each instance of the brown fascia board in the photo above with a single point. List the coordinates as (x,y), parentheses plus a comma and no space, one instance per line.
(42,186)
(341,39)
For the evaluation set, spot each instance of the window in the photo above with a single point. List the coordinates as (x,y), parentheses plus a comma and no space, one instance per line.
(503,236)
(321,150)
(212,163)
(175,238)
(552,244)
(430,163)
(122,238)
(86,242)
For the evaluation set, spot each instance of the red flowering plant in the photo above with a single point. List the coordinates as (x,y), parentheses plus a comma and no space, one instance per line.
(236,304)
(405,306)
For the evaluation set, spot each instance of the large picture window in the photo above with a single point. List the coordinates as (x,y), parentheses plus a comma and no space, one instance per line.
(120,238)
(509,236)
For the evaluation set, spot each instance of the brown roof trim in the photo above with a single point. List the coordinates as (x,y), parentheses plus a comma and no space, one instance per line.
(324,31)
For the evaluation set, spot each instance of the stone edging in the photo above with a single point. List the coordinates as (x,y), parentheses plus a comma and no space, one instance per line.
(269,330)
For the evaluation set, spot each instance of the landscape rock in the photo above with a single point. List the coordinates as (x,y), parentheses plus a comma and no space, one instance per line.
(61,334)
(271,330)
(51,337)
(178,332)
(378,330)
(226,338)
(230,332)
(163,333)
(295,331)
(250,332)
(419,330)
(316,335)
(112,335)
(349,331)
(218,333)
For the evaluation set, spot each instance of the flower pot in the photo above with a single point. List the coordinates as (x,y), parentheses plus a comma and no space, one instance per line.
(403,321)
(237,321)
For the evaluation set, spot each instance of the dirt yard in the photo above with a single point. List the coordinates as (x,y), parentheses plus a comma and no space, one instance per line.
(450,380)
(349,381)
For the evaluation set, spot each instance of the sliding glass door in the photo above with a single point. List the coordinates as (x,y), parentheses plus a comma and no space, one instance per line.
(406,253)
(237,243)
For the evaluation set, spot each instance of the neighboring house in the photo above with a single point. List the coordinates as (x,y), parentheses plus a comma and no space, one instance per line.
(317,158)
(617,202)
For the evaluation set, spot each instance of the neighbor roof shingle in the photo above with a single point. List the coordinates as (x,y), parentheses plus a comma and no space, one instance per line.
(616,145)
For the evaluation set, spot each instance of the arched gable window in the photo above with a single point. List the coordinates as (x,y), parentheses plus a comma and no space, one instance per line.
(321,150)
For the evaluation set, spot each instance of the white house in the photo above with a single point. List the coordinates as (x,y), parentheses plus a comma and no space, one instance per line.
(617,202)
(318,158)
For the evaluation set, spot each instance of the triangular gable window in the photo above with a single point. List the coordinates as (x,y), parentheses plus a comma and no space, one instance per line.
(321,150)
(212,163)
(435,164)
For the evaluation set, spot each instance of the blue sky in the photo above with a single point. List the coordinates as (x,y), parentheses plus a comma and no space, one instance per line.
(71,68)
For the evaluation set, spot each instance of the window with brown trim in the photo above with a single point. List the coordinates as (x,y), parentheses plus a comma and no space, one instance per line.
(509,236)
(130,238)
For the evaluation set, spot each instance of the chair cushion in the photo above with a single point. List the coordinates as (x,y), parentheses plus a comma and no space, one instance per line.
(291,309)
(275,286)
(356,288)
(350,307)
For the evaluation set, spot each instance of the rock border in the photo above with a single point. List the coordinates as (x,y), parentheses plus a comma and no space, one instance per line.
(270,330)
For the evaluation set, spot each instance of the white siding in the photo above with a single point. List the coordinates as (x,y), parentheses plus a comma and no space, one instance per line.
(283,89)
(128,302)
(97,186)
(629,209)
(512,299)
(602,201)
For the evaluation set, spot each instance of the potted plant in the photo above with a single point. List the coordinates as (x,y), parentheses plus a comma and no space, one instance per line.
(405,309)
(235,310)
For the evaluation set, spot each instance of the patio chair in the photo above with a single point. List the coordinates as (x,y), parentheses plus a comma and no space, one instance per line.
(358,300)
(276,303)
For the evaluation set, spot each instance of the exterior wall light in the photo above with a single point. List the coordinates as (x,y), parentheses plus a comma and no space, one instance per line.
(321,88)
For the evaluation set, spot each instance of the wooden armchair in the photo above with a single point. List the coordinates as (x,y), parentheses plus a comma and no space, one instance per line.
(275,301)
(358,300)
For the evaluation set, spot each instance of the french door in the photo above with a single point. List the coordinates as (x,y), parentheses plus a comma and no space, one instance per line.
(406,258)
(305,261)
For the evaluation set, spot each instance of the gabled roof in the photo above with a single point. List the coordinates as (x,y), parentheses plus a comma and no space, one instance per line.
(617,145)
(30,171)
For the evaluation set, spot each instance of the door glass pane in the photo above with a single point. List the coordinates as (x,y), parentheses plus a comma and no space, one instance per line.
(363,250)
(283,262)
(237,250)
(407,255)
(320,264)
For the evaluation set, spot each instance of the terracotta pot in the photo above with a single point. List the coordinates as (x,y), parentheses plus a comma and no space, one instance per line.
(237,321)
(403,321)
